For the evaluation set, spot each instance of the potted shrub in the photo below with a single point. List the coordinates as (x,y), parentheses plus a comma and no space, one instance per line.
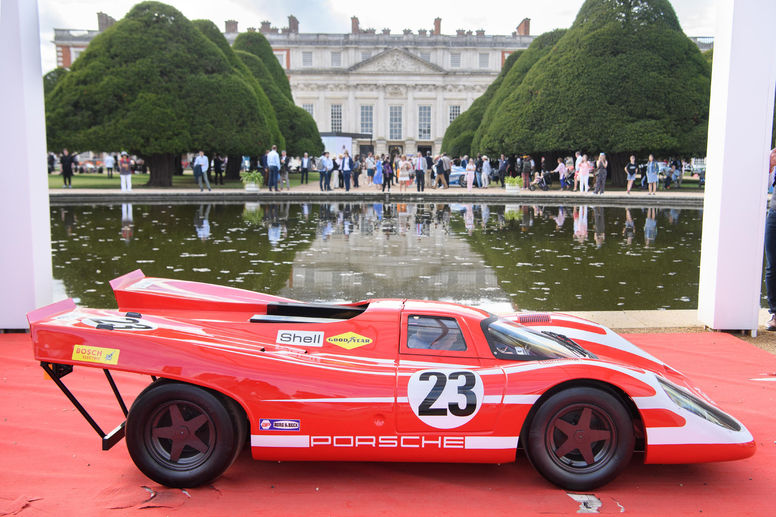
(251,180)
(513,183)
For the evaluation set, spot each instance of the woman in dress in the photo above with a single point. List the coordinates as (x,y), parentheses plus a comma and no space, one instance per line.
(584,174)
(600,174)
(470,168)
(652,170)
(377,179)
(630,170)
(405,166)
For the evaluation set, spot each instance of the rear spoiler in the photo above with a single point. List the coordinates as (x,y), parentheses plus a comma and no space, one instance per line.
(50,310)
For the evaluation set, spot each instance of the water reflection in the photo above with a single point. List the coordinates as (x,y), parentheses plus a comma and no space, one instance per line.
(497,256)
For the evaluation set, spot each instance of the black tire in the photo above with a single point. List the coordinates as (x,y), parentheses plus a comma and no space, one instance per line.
(531,187)
(580,438)
(240,425)
(180,435)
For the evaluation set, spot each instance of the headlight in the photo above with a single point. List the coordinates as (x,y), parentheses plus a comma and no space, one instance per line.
(696,406)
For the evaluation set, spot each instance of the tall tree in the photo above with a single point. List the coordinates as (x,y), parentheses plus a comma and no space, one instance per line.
(153,84)
(623,79)
(460,133)
(297,125)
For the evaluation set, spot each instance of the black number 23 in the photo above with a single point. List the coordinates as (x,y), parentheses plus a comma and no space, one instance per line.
(440,379)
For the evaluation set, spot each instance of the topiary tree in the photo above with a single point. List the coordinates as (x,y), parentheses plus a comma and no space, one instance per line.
(460,133)
(269,123)
(297,125)
(623,79)
(156,86)
(51,79)
(255,43)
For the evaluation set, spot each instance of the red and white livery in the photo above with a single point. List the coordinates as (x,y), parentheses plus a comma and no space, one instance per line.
(377,380)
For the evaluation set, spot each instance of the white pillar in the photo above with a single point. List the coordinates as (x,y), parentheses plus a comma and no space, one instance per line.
(25,234)
(740,124)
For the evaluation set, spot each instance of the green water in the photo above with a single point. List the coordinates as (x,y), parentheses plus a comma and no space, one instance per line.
(494,256)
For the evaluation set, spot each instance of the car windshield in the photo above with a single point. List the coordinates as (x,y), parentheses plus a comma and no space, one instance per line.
(508,340)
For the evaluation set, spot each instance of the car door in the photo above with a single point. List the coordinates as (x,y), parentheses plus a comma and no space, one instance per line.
(447,401)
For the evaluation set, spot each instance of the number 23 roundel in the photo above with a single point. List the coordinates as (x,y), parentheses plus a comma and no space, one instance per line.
(445,398)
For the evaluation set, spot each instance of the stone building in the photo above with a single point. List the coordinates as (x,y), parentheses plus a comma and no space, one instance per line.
(391,92)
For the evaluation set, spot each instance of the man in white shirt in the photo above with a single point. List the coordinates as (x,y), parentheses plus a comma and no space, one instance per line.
(273,164)
(110,163)
(420,172)
(304,168)
(201,164)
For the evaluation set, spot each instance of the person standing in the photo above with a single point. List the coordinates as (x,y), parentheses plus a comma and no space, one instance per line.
(304,169)
(630,170)
(471,167)
(218,169)
(405,166)
(66,162)
(346,166)
(420,172)
(770,245)
(600,174)
(448,166)
(485,173)
(325,166)
(378,176)
(283,173)
(201,165)
(652,171)
(387,173)
(503,165)
(273,164)
(371,167)
(525,171)
(584,174)
(561,170)
(440,173)
(125,172)
(110,163)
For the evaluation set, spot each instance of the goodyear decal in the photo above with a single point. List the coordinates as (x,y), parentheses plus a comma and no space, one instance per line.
(348,340)
(95,354)
(274,424)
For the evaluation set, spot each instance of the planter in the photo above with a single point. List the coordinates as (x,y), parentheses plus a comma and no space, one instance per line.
(252,187)
(513,188)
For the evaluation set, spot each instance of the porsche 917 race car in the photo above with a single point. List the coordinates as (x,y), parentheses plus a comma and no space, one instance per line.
(377,380)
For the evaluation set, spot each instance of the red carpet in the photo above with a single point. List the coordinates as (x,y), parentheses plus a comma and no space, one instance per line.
(51,462)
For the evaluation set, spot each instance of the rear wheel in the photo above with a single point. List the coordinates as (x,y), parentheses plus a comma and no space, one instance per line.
(580,438)
(181,435)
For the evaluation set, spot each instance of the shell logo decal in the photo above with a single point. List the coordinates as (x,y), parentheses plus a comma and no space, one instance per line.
(348,340)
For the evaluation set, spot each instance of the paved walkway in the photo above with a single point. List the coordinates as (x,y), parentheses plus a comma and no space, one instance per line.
(686,198)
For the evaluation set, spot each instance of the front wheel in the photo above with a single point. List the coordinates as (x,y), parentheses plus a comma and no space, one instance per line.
(180,435)
(580,438)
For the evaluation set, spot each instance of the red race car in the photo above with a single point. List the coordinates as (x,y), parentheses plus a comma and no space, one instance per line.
(377,380)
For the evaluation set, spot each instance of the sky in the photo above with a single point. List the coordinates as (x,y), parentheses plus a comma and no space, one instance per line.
(497,17)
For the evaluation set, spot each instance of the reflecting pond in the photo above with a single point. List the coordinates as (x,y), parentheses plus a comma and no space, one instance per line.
(501,257)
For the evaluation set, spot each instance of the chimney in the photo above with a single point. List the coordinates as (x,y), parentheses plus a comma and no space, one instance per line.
(460,32)
(422,32)
(354,29)
(387,32)
(265,27)
(293,25)
(524,29)
(104,21)
(231,26)
(251,29)
(407,32)
(481,32)
(437,26)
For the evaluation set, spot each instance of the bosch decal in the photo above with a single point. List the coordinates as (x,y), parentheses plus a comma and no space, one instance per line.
(299,337)
(95,354)
(348,340)
(279,424)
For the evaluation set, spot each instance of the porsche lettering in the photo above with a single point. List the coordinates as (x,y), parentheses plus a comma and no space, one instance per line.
(405,441)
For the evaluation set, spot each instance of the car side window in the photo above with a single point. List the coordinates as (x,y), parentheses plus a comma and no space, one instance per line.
(434,333)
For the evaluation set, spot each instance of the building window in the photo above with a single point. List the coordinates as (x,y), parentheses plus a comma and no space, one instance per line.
(365,55)
(281,57)
(484,60)
(309,109)
(454,112)
(425,55)
(336,59)
(394,122)
(336,118)
(307,58)
(455,60)
(424,122)
(367,116)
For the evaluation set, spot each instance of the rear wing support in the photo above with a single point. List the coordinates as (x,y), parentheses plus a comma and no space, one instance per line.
(57,371)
